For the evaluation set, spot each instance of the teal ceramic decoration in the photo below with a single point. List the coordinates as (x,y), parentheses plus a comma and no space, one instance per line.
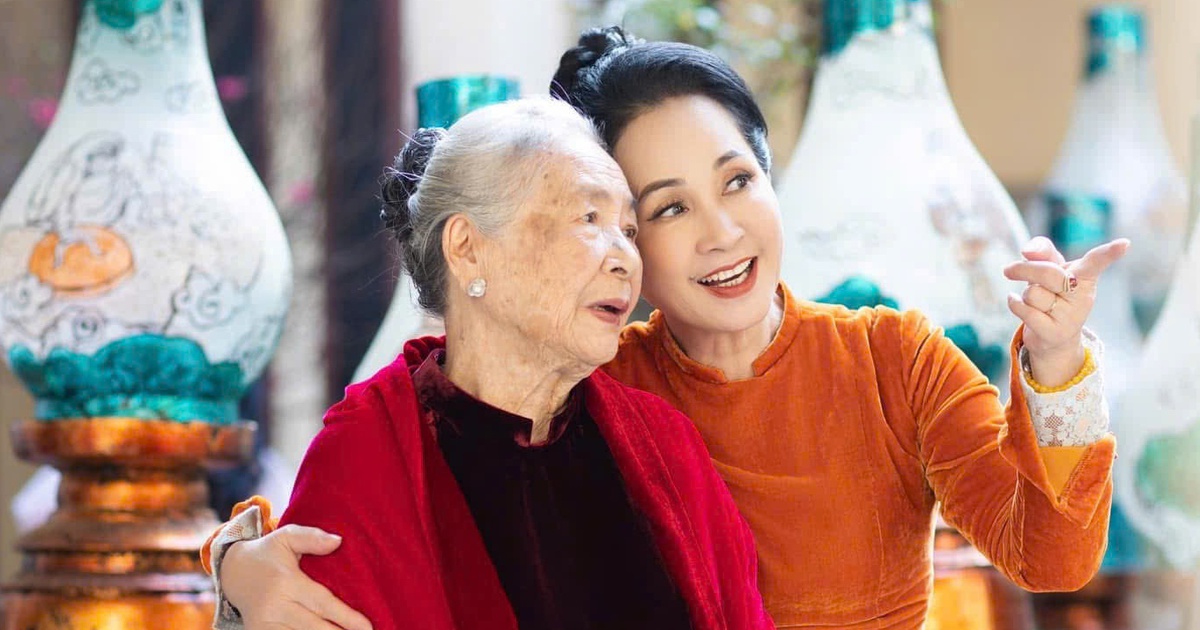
(1126,548)
(1113,30)
(846,18)
(1167,470)
(991,359)
(1078,222)
(441,102)
(123,14)
(144,376)
(857,292)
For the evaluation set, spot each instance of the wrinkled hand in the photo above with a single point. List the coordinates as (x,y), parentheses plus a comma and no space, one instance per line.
(1053,313)
(263,580)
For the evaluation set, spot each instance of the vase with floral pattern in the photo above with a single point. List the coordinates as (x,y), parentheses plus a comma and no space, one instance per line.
(885,200)
(144,271)
(144,280)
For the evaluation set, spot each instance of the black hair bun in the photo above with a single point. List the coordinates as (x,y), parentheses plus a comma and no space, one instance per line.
(401,179)
(594,44)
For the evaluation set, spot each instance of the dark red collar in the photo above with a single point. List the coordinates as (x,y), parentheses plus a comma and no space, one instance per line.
(470,417)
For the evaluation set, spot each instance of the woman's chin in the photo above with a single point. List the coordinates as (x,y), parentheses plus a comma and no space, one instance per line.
(730,316)
(738,320)
(597,351)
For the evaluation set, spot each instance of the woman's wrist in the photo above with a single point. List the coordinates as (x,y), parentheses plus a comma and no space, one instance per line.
(232,557)
(1055,369)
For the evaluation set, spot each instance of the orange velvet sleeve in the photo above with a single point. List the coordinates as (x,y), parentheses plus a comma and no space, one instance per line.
(1039,514)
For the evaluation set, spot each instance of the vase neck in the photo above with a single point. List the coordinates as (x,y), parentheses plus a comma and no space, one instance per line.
(440,103)
(1116,36)
(1117,92)
(899,63)
(1117,66)
(846,19)
(135,51)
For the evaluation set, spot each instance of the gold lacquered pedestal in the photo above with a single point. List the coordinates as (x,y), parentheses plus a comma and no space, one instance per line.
(1145,600)
(122,550)
(969,593)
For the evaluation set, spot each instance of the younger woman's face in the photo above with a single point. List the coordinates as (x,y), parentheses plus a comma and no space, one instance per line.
(709,229)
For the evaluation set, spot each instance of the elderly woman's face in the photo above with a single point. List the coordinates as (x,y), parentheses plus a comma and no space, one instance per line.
(566,272)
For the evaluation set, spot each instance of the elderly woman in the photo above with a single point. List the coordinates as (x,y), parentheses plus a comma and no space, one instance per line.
(500,481)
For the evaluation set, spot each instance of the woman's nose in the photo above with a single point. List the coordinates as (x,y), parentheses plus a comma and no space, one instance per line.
(623,259)
(721,232)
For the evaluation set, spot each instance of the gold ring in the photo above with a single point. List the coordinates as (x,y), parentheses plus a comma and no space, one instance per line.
(1070,283)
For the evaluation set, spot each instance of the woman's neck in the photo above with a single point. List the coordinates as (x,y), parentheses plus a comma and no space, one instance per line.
(731,352)
(510,374)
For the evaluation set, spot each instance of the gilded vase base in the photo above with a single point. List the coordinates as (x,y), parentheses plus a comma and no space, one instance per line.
(46,611)
(122,549)
(1158,600)
(969,593)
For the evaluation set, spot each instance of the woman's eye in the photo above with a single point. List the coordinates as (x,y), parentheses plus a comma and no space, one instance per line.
(738,182)
(591,217)
(672,210)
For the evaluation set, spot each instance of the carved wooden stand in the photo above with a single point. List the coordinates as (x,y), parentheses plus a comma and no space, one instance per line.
(122,549)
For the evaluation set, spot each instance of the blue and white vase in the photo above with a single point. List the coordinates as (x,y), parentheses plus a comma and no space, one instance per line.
(144,271)
(1114,175)
(885,200)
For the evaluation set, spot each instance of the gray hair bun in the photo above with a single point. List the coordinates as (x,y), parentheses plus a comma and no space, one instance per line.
(401,180)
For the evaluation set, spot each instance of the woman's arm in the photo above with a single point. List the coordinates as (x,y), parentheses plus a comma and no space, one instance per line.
(258,578)
(995,482)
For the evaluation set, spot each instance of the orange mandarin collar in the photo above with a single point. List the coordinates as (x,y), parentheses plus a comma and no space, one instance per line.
(762,364)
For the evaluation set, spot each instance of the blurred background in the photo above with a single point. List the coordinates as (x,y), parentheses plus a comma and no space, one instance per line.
(320,92)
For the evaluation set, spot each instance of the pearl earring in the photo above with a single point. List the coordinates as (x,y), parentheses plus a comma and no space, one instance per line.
(477,288)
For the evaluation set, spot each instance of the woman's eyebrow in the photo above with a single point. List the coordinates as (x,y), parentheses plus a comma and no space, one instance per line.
(601,195)
(675,181)
(653,186)
(725,157)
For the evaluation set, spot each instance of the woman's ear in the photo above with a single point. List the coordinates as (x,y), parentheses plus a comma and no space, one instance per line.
(461,245)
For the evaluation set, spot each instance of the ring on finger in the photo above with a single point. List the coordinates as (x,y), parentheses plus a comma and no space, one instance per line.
(1039,297)
(1052,304)
(1070,283)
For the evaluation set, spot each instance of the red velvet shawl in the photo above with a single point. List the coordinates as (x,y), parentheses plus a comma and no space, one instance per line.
(411,556)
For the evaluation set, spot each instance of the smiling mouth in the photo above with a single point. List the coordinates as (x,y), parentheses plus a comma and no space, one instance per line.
(731,277)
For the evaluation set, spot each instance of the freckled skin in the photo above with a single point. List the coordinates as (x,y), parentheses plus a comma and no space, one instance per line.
(565,249)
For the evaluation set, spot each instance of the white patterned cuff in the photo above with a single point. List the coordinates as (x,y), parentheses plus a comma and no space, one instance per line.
(1073,417)
(244,526)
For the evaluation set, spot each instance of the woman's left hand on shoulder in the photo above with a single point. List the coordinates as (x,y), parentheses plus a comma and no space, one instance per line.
(1056,304)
